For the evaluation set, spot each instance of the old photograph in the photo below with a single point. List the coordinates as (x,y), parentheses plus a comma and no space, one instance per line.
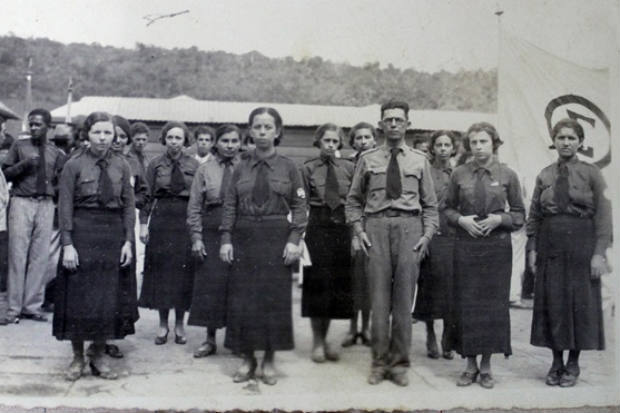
(309,205)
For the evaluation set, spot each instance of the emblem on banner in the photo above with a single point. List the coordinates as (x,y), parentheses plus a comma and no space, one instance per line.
(596,125)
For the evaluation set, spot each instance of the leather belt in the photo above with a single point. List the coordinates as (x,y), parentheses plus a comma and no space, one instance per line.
(392,213)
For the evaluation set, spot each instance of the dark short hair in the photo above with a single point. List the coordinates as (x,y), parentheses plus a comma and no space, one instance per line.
(174,124)
(204,130)
(442,132)
(223,130)
(418,139)
(93,118)
(320,131)
(395,104)
(568,123)
(123,123)
(138,128)
(44,113)
(277,119)
(358,126)
(483,127)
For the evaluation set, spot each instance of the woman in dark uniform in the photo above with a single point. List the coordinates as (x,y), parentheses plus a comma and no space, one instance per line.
(327,283)
(96,216)
(204,215)
(569,229)
(265,187)
(484,203)
(362,137)
(434,299)
(168,269)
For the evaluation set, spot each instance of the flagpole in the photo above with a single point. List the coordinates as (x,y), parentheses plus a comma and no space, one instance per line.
(498,13)
(69,100)
(28,95)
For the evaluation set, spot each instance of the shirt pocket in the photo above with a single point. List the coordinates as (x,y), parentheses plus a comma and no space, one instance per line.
(580,192)
(280,186)
(411,180)
(244,186)
(376,183)
(87,185)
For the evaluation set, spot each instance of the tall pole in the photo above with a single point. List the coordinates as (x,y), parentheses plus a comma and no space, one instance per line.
(69,100)
(498,13)
(28,95)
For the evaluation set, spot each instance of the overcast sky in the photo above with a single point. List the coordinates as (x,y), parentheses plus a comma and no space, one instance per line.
(428,35)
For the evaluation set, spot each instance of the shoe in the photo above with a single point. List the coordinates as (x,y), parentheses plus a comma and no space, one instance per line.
(113,351)
(467,378)
(12,319)
(349,340)
(159,340)
(268,374)
(431,349)
(376,377)
(400,379)
(206,349)
(102,370)
(554,375)
(486,380)
(365,336)
(318,355)
(35,317)
(246,371)
(180,339)
(569,375)
(75,370)
(448,354)
(330,353)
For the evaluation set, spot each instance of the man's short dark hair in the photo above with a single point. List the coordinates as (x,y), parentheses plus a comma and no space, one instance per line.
(44,113)
(395,104)
(138,128)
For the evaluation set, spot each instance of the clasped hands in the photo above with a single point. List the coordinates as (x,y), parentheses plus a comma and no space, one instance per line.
(479,228)
(290,254)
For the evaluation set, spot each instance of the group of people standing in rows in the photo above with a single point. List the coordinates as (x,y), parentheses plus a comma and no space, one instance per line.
(223,229)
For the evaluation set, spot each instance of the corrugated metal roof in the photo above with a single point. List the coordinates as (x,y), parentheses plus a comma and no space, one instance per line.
(186,109)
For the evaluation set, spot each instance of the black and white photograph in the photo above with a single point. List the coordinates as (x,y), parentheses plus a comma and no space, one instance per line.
(309,205)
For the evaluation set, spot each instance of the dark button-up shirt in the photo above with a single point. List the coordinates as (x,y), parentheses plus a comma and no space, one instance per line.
(205,192)
(314,173)
(503,194)
(586,188)
(79,184)
(138,181)
(17,168)
(441,179)
(158,175)
(286,194)
(139,158)
(368,188)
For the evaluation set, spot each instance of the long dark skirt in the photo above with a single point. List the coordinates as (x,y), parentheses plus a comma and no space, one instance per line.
(327,291)
(568,313)
(259,289)
(168,263)
(482,270)
(435,285)
(97,301)
(211,277)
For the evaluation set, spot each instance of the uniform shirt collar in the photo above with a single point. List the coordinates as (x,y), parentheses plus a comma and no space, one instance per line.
(492,167)
(571,161)
(255,160)
(387,150)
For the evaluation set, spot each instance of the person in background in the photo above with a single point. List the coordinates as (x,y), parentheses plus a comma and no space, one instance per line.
(392,208)
(484,204)
(362,137)
(6,140)
(139,137)
(4,203)
(168,268)
(96,214)
(423,144)
(33,165)
(265,188)
(327,292)
(569,230)
(204,214)
(434,298)
(205,137)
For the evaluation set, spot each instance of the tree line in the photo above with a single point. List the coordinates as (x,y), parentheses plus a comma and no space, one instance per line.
(150,71)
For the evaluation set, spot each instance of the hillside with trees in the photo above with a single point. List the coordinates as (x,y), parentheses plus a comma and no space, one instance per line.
(149,71)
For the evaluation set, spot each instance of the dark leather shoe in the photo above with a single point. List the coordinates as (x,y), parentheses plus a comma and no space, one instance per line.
(400,379)
(100,369)
(432,351)
(553,376)
(376,377)
(467,378)
(365,337)
(349,340)
(569,375)
(448,354)
(113,351)
(206,349)
(180,339)
(159,340)
(486,380)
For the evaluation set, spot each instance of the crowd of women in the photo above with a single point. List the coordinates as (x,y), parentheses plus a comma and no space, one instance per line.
(223,229)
